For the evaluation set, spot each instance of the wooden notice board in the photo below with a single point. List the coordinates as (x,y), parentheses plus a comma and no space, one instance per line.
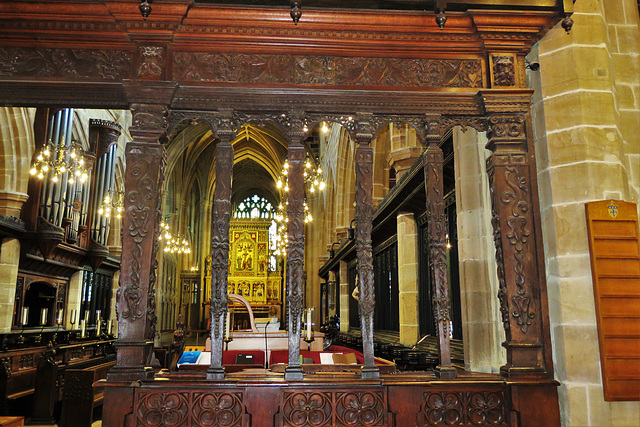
(615,266)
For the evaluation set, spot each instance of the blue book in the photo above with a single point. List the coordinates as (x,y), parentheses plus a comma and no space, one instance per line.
(189,357)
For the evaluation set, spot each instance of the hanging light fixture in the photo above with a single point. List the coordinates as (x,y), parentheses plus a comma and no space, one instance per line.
(55,162)
(111,205)
(173,244)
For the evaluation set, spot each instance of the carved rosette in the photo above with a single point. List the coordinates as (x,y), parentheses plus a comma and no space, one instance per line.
(163,409)
(307,408)
(360,409)
(217,409)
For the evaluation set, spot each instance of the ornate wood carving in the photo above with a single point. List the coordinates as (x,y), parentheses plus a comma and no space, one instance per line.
(110,65)
(364,250)
(191,407)
(503,70)
(220,249)
(151,62)
(463,408)
(295,248)
(330,408)
(140,227)
(327,70)
(437,246)
(514,202)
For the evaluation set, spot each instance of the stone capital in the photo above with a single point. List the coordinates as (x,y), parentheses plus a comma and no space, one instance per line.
(11,203)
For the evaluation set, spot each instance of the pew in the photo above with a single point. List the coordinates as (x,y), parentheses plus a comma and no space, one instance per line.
(79,397)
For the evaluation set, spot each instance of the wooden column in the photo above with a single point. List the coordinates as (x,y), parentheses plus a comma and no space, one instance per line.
(295,248)
(364,251)
(433,173)
(220,250)
(517,235)
(145,159)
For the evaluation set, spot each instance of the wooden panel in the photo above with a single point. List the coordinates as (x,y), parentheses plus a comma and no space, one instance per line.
(615,266)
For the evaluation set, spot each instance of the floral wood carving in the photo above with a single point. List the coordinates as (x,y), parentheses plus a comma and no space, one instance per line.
(217,409)
(303,409)
(163,409)
(327,70)
(151,58)
(65,63)
(295,248)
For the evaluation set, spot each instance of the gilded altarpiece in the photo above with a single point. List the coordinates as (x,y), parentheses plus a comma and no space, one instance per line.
(249,269)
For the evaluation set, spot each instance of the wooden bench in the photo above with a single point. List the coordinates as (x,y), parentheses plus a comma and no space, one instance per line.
(79,396)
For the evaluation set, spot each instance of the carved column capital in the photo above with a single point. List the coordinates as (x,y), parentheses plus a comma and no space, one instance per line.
(365,128)
(149,122)
(433,133)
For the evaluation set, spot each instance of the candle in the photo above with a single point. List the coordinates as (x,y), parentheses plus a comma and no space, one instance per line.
(25,315)
(228,330)
(82,328)
(86,316)
(109,327)
(98,314)
(309,324)
(99,324)
(73,317)
(60,317)
(43,316)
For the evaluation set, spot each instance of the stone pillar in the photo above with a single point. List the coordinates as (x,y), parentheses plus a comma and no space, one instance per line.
(344,296)
(295,248)
(402,159)
(145,158)
(482,332)
(517,235)
(220,250)
(364,250)
(433,174)
(408,278)
(11,203)
(9,259)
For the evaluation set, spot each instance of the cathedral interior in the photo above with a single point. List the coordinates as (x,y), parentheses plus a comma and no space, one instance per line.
(349,213)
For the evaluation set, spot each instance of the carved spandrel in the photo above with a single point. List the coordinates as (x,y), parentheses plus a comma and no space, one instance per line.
(327,70)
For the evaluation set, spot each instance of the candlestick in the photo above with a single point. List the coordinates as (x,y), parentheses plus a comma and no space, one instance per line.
(82,328)
(309,323)
(73,317)
(25,315)
(43,316)
(109,327)
(60,317)
(86,316)
(99,324)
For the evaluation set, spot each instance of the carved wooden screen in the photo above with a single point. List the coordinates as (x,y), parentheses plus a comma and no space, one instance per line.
(615,265)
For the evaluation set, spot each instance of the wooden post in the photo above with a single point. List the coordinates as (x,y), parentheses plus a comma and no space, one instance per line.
(144,174)
(364,250)
(517,235)
(295,248)
(220,250)
(433,173)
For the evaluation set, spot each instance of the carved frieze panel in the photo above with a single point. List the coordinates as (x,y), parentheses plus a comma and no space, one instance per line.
(331,408)
(189,408)
(463,408)
(87,64)
(327,70)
